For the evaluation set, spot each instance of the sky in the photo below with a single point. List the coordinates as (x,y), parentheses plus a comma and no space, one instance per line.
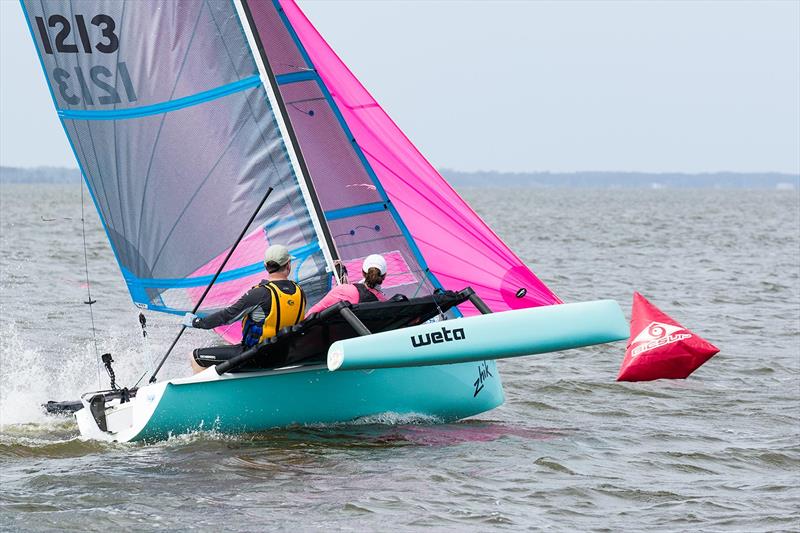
(527,86)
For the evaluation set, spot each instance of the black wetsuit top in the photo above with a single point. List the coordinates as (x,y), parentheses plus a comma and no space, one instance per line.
(364,294)
(258,296)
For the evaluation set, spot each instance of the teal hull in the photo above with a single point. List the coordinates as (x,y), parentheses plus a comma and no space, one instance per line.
(412,371)
(242,403)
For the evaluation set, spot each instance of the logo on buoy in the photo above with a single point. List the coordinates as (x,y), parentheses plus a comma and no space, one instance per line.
(657,334)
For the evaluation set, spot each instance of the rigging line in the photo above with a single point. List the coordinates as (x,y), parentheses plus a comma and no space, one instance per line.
(106,212)
(148,353)
(208,288)
(297,67)
(353,231)
(310,112)
(136,385)
(94,148)
(435,301)
(90,302)
(110,212)
(422,280)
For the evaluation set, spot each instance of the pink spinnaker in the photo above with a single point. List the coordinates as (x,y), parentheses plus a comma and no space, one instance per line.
(459,248)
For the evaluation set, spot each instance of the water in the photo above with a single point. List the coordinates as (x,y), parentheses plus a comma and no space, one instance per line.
(571,449)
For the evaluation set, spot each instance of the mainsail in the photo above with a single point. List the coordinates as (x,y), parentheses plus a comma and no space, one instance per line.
(181,114)
(178,139)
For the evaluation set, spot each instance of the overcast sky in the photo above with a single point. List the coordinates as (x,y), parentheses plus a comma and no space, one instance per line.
(529,86)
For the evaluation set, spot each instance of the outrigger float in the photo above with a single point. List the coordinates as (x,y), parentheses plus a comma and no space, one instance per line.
(184,117)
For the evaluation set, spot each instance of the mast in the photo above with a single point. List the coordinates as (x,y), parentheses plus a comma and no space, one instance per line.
(287,133)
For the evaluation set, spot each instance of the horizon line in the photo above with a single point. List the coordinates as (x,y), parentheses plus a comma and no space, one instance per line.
(520,172)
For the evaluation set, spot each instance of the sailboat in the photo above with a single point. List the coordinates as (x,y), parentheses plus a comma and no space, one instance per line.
(182,115)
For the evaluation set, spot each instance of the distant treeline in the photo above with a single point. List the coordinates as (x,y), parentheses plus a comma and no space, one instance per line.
(603,180)
(611,180)
(39,175)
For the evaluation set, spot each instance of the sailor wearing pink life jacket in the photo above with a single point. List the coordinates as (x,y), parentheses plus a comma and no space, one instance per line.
(367,290)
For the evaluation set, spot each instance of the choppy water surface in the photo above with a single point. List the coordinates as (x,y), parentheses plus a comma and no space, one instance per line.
(570,450)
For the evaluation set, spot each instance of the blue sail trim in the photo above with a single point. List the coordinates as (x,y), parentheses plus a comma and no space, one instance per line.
(355,210)
(294,77)
(162,107)
(137,286)
(357,149)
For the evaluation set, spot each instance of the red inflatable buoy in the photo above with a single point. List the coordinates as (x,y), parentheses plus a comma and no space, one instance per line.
(659,347)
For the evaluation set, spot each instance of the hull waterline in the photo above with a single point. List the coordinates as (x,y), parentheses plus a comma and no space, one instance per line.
(257,401)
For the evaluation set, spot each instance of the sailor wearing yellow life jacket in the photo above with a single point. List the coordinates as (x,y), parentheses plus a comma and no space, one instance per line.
(273,304)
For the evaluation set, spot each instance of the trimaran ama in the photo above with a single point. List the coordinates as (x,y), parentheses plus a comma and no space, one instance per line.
(182,115)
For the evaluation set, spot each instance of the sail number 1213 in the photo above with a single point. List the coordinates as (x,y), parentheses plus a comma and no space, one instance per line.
(107,44)
(90,86)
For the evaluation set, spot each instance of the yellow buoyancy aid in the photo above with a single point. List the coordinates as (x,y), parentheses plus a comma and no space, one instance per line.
(285,310)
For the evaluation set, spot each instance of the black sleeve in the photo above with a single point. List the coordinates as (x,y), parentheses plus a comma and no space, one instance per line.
(251,299)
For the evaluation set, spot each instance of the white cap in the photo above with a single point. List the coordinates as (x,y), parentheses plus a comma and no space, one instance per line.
(277,253)
(374,261)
